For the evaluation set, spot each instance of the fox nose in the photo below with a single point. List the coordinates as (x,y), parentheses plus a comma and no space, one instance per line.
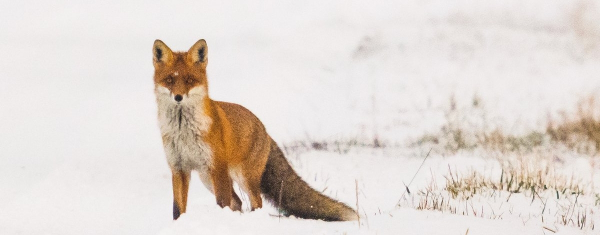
(178,98)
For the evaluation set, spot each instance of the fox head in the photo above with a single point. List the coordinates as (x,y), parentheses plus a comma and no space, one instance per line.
(180,77)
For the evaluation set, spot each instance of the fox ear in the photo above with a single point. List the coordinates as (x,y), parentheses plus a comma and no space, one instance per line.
(198,53)
(162,53)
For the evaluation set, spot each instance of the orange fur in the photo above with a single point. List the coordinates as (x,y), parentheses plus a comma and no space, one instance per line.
(225,142)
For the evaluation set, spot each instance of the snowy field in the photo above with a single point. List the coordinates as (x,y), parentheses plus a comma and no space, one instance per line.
(81,153)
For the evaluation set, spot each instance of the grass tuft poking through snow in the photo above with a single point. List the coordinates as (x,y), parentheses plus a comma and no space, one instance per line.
(579,131)
(468,128)
(528,187)
(529,181)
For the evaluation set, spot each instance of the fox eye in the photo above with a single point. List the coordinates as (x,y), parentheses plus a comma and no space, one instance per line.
(189,81)
(169,80)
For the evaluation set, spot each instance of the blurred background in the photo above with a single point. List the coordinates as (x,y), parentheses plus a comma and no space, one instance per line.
(79,143)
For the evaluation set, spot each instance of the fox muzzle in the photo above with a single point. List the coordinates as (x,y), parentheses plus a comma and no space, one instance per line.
(178,98)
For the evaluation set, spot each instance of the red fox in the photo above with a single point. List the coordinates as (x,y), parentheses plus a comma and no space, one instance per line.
(225,142)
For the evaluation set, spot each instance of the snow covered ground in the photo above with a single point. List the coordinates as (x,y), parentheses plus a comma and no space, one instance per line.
(81,151)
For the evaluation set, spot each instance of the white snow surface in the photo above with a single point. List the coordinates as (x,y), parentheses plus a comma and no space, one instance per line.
(80,148)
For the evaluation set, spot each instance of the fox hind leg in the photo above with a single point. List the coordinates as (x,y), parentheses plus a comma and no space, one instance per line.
(249,180)
(253,190)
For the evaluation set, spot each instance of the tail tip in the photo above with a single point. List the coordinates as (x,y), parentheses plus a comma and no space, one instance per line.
(349,216)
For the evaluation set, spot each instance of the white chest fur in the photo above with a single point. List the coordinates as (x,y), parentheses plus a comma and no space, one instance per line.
(182,127)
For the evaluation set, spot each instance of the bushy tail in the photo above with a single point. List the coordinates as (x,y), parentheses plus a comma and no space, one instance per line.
(297,197)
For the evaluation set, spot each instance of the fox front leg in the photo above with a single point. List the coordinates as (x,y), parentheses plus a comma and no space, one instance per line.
(181,184)
(222,185)
(206,178)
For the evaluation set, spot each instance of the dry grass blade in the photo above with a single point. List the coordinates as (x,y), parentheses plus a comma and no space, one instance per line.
(357,210)
(415,175)
(549,229)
